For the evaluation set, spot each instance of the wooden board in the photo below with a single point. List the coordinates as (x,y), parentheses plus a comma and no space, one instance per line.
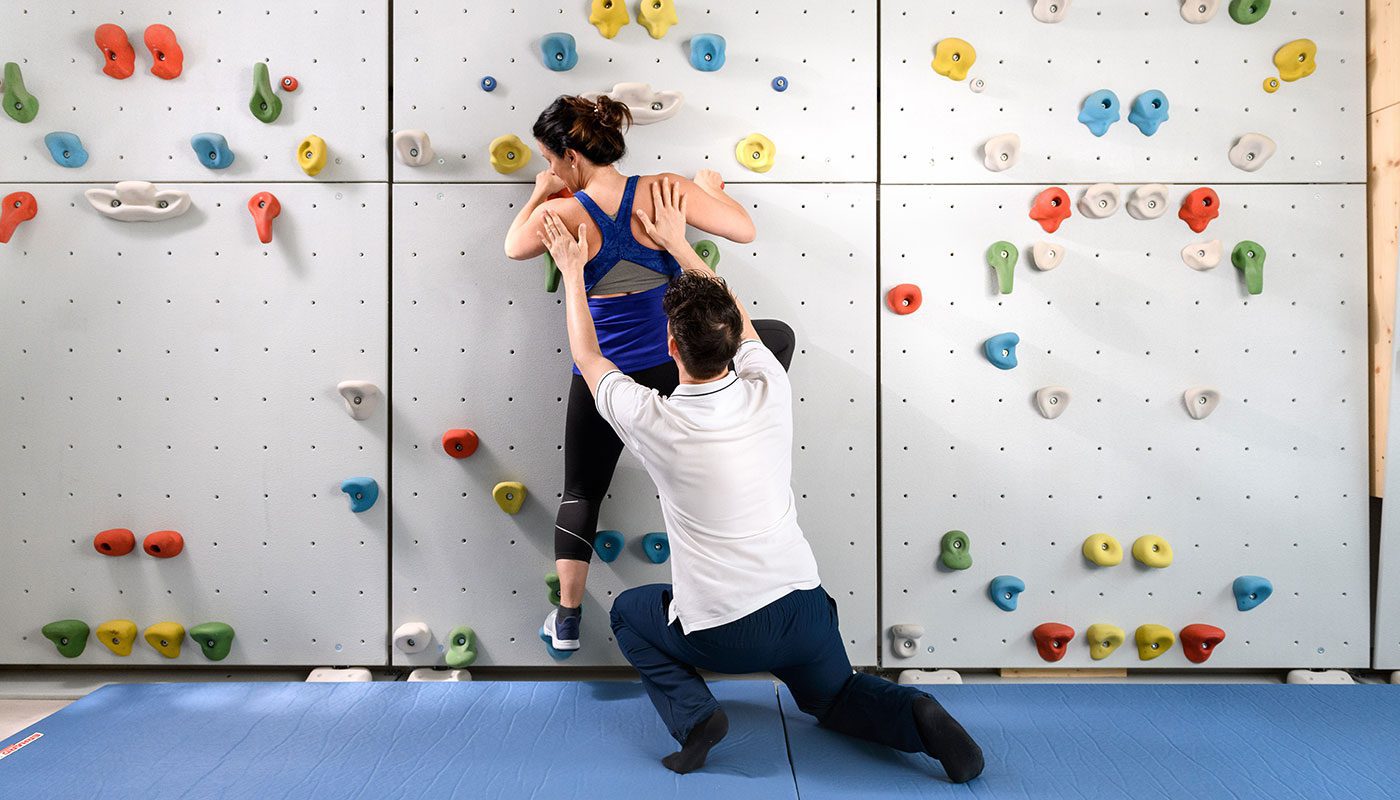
(1383,70)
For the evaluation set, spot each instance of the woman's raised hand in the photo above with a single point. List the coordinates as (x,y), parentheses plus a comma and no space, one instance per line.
(547,183)
(709,181)
(569,254)
(668,230)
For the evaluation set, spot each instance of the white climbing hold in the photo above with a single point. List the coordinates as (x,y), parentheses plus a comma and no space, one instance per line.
(977,85)
(925,677)
(414,147)
(1252,151)
(361,398)
(1148,201)
(1047,255)
(1099,201)
(1320,676)
(1002,152)
(430,675)
(1202,256)
(333,675)
(1199,11)
(138,201)
(1050,10)
(1052,401)
(412,637)
(1201,401)
(906,639)
(646,104)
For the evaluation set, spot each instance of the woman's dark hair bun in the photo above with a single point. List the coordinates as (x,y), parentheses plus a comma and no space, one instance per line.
(591,127)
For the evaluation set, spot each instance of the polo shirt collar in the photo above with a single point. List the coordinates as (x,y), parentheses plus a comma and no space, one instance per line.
(702,389)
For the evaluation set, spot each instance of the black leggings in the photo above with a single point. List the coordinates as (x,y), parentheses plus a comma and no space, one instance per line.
(591,448)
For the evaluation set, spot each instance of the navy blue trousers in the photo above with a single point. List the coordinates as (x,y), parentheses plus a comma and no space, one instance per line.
(795,637)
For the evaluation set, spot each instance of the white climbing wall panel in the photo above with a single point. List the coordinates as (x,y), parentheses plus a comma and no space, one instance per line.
(139,128)
(1273,483)
(823,125)
(1038,75)
(479,344)
(181,375)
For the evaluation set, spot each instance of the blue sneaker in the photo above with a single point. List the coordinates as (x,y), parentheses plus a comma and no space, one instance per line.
(560,634)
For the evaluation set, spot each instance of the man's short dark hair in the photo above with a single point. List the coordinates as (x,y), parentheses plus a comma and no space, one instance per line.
(705,322)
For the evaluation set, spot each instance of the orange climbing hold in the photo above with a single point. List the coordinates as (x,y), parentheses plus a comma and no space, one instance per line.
(1051,207)
(1199,208)
(17,207)
(264,208)
(114,542)
(163,544)
(167,59)
(118,57)
(460,442)
(1052,640)
(289,83)
(1198,642)
(904,298)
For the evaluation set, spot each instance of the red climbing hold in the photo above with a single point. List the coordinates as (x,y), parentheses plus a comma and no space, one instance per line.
(264,208)
(1199,208)
(164,544)
(1051,207)
(1199,641)
(167,59)
(460,442)
(289,84)
(118,57)
(1052,640)
(114,542)
(17,207)
(904,298)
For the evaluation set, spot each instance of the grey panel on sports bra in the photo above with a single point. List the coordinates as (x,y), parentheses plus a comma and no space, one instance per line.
(627,277)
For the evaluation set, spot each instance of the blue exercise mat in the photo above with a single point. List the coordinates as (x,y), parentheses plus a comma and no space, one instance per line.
(1191,742)
(384,740)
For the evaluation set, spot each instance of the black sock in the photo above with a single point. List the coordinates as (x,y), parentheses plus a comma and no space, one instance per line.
(565,612)
(698,743)
(945,740)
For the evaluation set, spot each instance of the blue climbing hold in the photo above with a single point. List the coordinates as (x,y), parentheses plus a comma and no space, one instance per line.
(1001,350)
(558,52)
(780,84)
(1251,590)
(1100,111)
(608,545)
(1005,590)
(657,547)
(1149,111)
(361,491)
(707,52)
(66,148)
(212,150)
(488,84)
(557,655)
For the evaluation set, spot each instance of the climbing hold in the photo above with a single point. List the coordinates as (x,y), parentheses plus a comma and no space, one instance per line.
(1198,642)
(509,495)
(1104,639)
(647,105)
(552,275)
(167,58)
(311,155)
(1148,201)
(460,442)
(1199,208)
(289,83)
(166,638)
(1046,255)
(955,550)
(1248,258)
(68,635)
(657,16)
(118,57)
(66,149)
(558,52)
(508,153)
(977,85)
(1099,201)
(1202,256)
(361,398)
(1248,12)
(1149,111)
(163,544)
(1100,111)
(1200,401)
(657,547)
(1153,551)
(17,207)
(756,152)
(212,150)
(708,252)
(1252,151)
(1002,256)
(362,493)
(1052,640)
(1103,550)
(906,639)
(1250,591)
(1296,60)
(551,582)
(1005,590)
(1001,350)
(780,84)
(1052,401)
(265,104)
(461,647)
(608,545)
(264,207)
(117,635)
(1051,207)
(138,201)
(488,84)
(215,639)
(608,16)
(1197,12)
(1153,641)
(19,103)
(414,147)
(114,542)
(412,637)
(1271,85)
(952,58)
(707,52)
(1050,10)
(1001,153)
(904,299)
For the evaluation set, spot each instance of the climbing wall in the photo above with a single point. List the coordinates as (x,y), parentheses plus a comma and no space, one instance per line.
(479,344)
(1387,646)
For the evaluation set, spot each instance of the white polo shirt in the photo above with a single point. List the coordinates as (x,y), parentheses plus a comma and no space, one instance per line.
(720,454)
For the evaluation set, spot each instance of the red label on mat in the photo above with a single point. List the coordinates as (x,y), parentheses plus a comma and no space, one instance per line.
(21,743)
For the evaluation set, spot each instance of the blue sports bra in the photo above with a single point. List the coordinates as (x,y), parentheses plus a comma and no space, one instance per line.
(618,243)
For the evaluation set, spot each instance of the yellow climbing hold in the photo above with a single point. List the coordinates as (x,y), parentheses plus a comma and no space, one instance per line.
(1103,550)
(1154,640)
(1271,85)
(657,16)
(1104,639)
(952,58)
(1296,60)
(117,635)
(608,16)
(166,638)
(508,153)
(756,152)
(311,155)
(1153,551)
(510,496)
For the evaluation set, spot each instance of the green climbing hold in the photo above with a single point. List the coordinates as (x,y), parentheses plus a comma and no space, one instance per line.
(215,639)
(68,635)
(19,103)
(1248,12)
(1249,259)
(708,252)
(552,275)
(956,550)
(461,647)
(552,581)
(265,105)
(1002,257)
